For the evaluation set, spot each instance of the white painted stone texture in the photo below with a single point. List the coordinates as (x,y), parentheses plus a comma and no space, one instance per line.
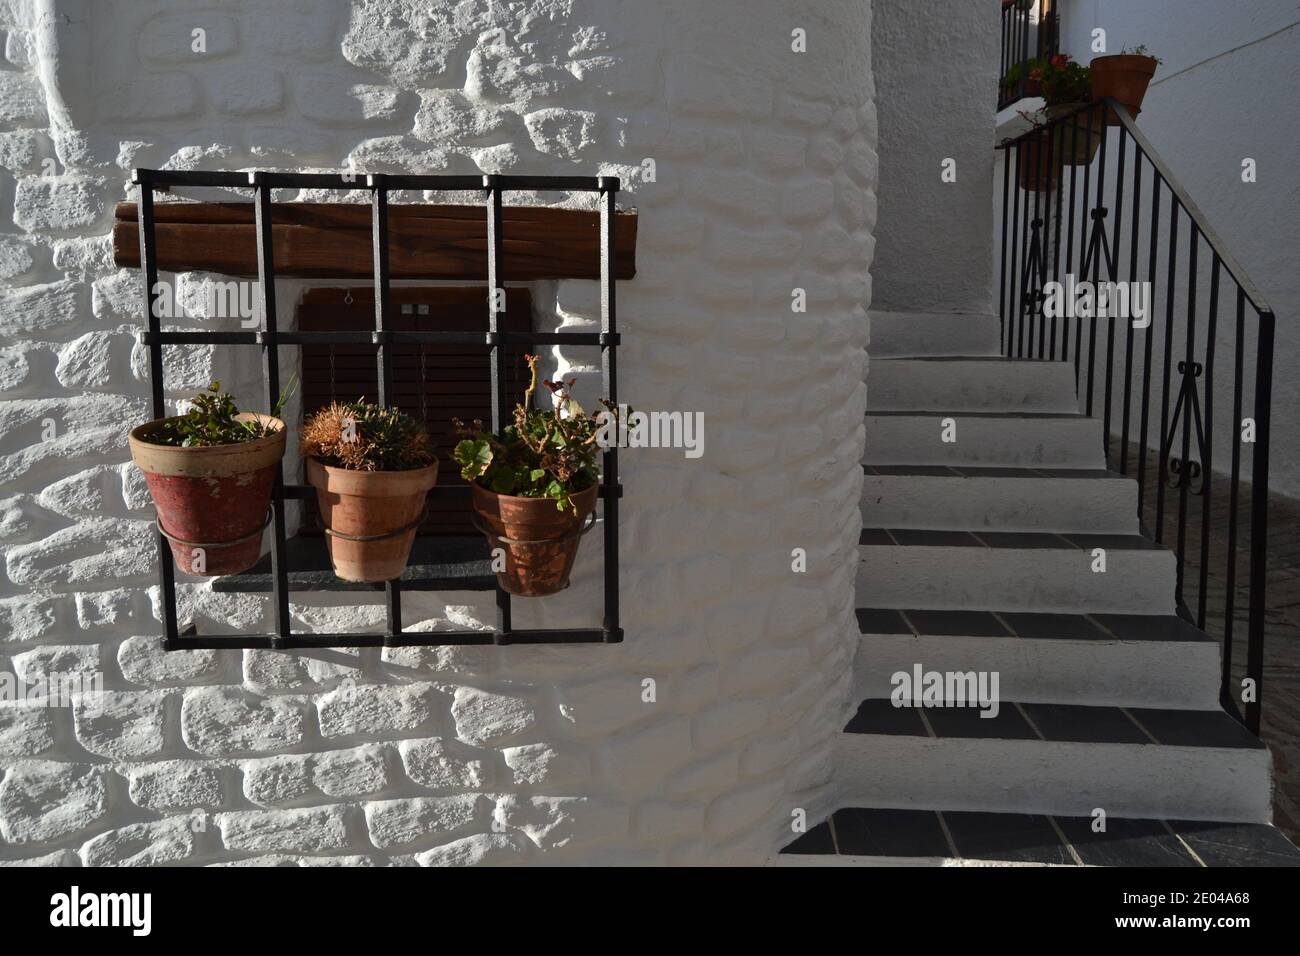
(691,742)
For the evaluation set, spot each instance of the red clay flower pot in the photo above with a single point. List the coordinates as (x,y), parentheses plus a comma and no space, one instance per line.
(1123,77)
(540,541)
(1039,171)
(370,517)
(1071,147)
(212,502)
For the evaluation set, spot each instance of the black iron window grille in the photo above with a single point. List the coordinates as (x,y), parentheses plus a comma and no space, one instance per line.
(384,339)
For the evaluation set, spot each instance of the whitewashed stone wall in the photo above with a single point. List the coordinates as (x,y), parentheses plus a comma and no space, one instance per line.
(765,176)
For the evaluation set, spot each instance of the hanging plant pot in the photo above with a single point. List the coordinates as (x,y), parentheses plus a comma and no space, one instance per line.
(1039,172)
(1123,77)
(212,501)
(1072,147)
(370,517)
(540,542)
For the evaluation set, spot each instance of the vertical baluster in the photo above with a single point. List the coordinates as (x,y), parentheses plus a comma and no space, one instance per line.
(1259,516)
(1230,600)
(1059,133)
(1002,261)
(1014,152)
(1189,408)
(1165,443)
(1129,333)
(1069,246)
(1207,467)
(1148,345)
(1042,180)
(1084,214)
(1095,252)
(1117,234)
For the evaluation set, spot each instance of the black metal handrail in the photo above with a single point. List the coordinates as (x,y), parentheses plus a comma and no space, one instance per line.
(1025,37)
(1076,173)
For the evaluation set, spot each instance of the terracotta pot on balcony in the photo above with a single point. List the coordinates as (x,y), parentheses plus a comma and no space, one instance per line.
(1073,143)
(212,502)
(1123,77)
(1039,171)
(539,541)
(370,517)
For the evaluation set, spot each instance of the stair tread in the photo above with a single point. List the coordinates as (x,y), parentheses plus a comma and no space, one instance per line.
(1037,838)
(1029,625)
(989,471)
(1009,416)
(1068,541)
(1056,723)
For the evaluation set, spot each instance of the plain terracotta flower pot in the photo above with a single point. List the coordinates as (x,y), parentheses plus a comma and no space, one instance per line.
(540,542)
(1039,171)
(1123,77)
(1071,146)
(212,502)
(370,517)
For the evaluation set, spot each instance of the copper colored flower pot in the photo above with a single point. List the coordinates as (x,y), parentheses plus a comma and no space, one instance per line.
(1039,171)
(370,517)
(212,502)
(1071,146)
(1123,77)
(539,541)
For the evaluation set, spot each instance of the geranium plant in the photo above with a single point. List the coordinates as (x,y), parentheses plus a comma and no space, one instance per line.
(544,454)
(1062,81)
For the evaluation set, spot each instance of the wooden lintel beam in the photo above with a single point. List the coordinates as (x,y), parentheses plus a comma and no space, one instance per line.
(332,240)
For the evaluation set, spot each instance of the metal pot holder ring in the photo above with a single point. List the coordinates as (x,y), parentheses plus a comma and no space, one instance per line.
(374,537)
(213,544)
(492,535)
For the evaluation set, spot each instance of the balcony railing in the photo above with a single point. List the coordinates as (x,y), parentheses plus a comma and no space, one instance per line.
(1089,204)
(1030,30)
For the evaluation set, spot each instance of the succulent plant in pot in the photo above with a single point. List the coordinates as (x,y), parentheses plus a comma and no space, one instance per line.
(1123,77)
(210,472)
(372,469)
(534,486)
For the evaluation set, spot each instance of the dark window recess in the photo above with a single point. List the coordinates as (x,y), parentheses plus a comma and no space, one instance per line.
(433,383)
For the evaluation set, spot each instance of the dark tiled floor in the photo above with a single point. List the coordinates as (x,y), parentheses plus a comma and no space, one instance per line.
(881,621)
(923,538)
(971,723)
(1068,722)
(1195,728)
(1070,627)
(882,717)
(957,623)
(1031,838)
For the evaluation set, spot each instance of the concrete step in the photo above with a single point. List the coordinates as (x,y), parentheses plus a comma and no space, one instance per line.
(976,384)
(876,836)
(1014,571)
(895,334)
(1055,759)
(1123,660)
(983,438)
(974,498)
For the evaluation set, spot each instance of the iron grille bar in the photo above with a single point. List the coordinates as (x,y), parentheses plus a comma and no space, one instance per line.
(609,377)
(384,355)
(496,360)
(383,338)
(271,371)
(390,337)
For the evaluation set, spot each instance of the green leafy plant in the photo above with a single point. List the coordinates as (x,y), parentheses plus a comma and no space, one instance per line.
(1140,50)
(1062,81)
(362,436)
(1013,75)
(211,420)
(544,454)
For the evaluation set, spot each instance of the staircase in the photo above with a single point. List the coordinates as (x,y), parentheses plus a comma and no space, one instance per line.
(989,516)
